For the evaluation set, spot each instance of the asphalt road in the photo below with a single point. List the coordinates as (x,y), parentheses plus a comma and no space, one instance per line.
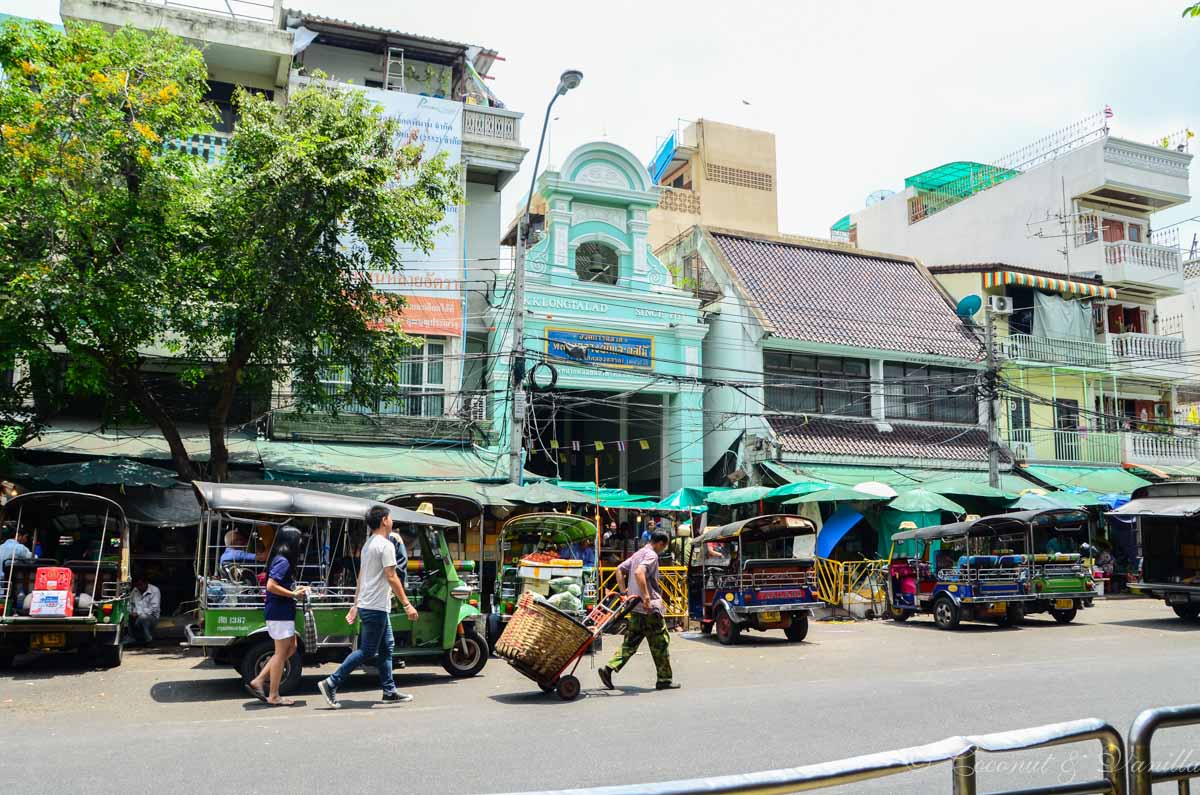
(169,721)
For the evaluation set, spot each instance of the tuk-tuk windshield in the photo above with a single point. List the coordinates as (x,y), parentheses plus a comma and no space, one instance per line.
(716,553)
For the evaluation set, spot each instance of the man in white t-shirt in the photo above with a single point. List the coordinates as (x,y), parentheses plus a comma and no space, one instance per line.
(377,581)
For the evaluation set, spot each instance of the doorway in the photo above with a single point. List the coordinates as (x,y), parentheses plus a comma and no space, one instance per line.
(1066,430)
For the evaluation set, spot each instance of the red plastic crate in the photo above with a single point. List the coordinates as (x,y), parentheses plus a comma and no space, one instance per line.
(53,578)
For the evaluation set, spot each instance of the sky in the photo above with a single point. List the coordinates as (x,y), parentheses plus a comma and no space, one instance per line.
(859,94)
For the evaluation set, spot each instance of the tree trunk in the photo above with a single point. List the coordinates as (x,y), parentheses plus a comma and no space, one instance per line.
(218,416)
(156,414)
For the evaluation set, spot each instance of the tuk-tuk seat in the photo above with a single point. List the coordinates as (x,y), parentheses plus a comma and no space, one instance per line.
(776,563)
(1011,561)
(977,561)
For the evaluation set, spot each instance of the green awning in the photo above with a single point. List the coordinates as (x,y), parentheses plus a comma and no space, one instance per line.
(738,496)
(1102,480)
(356,463)
(540,494)
(687,498)
(899,478)
(98,472)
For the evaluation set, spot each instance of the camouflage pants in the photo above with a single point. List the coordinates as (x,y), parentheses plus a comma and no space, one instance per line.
(651,627)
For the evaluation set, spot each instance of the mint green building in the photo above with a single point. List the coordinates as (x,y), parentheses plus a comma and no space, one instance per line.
(613,345)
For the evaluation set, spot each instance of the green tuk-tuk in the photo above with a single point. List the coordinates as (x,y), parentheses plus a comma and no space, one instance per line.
(1060,581)
(532,533)
(87,535)
(231,625)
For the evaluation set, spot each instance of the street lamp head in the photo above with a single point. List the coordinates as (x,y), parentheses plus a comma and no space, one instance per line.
(569,79)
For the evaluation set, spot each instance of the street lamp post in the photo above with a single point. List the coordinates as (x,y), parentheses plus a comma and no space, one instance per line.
(568,80)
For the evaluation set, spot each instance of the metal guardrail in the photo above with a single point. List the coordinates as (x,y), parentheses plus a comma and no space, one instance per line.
(836,579)
(672,581)
(1119,773)
(1142,775)
(960,752)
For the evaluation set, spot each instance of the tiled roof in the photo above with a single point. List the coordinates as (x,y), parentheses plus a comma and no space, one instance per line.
(832,295)
(857,438)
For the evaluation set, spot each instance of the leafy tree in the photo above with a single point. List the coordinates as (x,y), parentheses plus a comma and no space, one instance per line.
(1192,10)
(311,197)
(89,198)
(256,271)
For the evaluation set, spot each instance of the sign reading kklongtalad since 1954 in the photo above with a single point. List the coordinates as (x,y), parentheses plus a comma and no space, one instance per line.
(606,350)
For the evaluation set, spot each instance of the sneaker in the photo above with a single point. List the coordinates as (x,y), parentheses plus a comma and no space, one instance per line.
(606,677)
(667,686)
(396,697)
(330,693)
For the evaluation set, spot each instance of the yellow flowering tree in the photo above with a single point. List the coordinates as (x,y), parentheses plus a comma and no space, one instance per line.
(91,205)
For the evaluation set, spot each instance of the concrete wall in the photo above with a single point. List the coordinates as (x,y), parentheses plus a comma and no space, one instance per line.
(482,249)
(1001,224)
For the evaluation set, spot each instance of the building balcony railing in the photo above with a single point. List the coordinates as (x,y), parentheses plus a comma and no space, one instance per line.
(1075,447)
(240,10)
(1052,350)
(678,200)
(210,147)
(491,125)
(1163,449)
(1148,255)
(1146,346)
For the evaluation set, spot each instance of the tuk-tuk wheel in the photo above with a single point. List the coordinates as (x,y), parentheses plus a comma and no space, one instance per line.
(899,614)
(467,656)
(798,629)
(706,627)
(727,631)
(1186,612)
(568,687)
(110,656)
(256,656)
(1064,616)
(945,613)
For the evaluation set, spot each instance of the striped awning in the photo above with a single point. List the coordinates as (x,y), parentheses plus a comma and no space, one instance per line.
(998,278)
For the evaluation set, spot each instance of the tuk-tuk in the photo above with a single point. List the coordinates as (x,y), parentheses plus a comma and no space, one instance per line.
(1059,582)
(462,511)
(758,574)
(85,607)
(532,533)
(1168,529)
(231,623)
(978,572)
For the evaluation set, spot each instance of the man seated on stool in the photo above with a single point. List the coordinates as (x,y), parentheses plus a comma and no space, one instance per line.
(145,608)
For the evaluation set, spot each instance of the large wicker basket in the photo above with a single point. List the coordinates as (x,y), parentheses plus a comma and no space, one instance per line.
(539,640)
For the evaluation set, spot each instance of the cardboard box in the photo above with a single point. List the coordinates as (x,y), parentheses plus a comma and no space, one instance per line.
(52,604)
(53,578)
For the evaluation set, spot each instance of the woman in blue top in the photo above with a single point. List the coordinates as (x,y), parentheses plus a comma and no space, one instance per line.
(279,609)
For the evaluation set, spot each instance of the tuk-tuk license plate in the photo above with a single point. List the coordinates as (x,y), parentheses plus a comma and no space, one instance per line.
(1063,604)
(770,617)
(49,640)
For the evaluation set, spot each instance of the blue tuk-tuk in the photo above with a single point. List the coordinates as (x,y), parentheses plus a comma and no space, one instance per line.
(754,574)
(978,572)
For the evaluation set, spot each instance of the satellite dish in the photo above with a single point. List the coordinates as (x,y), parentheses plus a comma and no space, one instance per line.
(879,196)
(968,306)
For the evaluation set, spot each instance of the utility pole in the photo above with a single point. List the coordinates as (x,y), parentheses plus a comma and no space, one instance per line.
(516,435)
(990,391)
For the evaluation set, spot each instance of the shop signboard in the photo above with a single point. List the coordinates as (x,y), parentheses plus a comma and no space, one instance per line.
(599,348)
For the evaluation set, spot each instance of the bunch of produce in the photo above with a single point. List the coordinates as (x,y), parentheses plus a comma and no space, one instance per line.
(566,601)
(548,556)
(560,584)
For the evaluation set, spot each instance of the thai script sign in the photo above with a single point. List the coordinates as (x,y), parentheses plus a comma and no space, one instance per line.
(607,350)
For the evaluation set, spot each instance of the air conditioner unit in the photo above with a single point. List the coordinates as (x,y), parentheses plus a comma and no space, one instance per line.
(1000,304)
(475,408)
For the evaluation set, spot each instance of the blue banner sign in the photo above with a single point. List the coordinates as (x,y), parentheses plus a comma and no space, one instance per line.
(607,350)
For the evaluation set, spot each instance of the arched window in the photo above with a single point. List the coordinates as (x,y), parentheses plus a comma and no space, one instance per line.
(596,262)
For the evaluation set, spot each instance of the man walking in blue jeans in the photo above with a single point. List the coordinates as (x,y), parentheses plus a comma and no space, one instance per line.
(377,581)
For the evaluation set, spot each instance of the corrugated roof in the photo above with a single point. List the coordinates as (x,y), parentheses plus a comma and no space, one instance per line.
(830,294)
(858,439)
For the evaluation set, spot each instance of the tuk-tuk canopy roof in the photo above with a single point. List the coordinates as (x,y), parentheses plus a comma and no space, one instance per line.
(1163,499)
(564,528)
(40,505)
(286,501)
(994,525)
(770,524)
